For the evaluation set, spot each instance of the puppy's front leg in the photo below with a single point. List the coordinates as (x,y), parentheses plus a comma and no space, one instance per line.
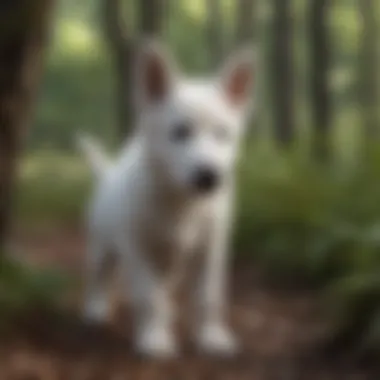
(214,335)
(152,304)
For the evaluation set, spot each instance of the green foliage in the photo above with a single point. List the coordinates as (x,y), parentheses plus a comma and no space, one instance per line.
(23,288)
(52,188)
(292,206)
(355,311)
(319,226)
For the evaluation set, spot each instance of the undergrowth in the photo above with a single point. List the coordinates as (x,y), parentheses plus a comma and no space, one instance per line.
(303,222)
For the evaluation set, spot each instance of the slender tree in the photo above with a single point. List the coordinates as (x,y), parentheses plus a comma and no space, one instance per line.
(320,61)
(245,20)
(123,43)
(214,33)
(121,46)
(151,14)
(368,67)
(283,87)
(245,32)
(23,32)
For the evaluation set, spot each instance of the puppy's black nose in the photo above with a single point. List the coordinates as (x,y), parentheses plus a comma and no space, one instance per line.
(206,179)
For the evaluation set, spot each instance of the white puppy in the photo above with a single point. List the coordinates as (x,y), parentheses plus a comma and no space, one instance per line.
(170,193)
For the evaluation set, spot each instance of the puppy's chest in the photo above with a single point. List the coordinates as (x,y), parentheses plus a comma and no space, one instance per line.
(168,237)
(178,233)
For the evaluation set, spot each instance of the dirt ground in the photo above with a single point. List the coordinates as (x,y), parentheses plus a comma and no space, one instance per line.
(280,331)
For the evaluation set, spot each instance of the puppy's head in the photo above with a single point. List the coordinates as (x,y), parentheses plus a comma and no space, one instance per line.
(192,128)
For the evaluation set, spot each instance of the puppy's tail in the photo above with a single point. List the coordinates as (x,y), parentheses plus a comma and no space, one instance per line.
(94,154)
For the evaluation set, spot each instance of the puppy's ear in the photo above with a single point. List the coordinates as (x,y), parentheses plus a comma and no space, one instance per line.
(238,77)
(155,72)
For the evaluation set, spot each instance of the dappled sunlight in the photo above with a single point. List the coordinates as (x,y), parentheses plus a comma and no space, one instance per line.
(65,167)
(53,188)
(347,27)
(341,79)
(75,39)
(195,9)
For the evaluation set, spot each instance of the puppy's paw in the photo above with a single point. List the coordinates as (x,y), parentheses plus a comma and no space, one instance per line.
(217,339)
(156,342)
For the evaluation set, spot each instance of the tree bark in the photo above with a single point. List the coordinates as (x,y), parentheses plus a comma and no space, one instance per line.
(245,21)
(320,62)
(368,67)
(214,35)
(123,47)
(23,32)
(151,17)
(283,88)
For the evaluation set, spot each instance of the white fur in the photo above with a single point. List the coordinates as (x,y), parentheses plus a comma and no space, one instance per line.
(99,163)
(145,201)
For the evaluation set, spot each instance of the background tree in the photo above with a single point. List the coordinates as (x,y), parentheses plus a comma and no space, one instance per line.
(23,28)
(368,67)
(214,35)
(320,62)
(245,21)
(151,16)
(245,34)
(123,42)
(282,61)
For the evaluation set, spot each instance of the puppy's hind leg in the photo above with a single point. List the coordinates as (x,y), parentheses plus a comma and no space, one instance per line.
(97,276)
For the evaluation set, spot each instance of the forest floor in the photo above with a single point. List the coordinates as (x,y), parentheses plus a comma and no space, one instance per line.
(280,331)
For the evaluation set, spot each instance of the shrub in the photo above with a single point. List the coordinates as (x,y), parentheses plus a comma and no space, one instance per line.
(23,288)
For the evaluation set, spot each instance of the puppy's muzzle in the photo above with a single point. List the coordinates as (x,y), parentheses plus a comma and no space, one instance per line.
(206,180)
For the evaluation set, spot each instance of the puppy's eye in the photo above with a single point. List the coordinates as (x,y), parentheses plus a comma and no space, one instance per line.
(181,132)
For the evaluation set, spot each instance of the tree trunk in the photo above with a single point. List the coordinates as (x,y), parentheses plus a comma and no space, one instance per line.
(214,31)
(23,29)
(283,73)
(245,33)
(120,44)
(368,67)
(151,17)
(123,46)
(245,21)
(320,60)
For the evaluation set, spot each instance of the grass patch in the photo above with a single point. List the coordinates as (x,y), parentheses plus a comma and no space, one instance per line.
(23,288)
(52,188)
